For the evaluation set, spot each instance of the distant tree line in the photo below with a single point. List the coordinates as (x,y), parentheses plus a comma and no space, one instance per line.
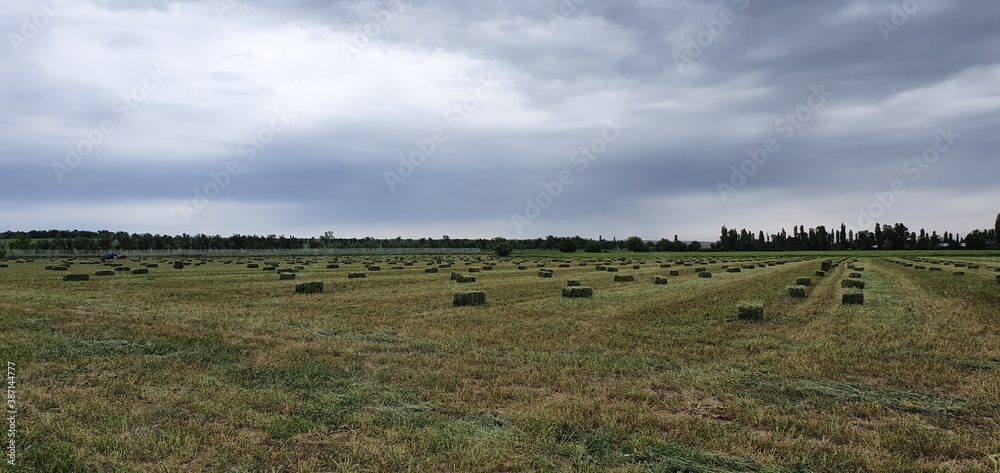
(882,237)
(124,241)
(885,237)
(70,240)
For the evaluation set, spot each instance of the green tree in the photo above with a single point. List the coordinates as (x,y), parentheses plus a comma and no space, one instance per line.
(636,245)
(503,249)
(975,240)
(996,232)
(568,246)
(664,245)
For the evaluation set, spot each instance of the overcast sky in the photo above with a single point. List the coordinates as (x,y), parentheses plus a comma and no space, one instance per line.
(514,118)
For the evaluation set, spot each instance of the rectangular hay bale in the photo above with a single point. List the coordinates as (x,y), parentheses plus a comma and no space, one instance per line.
(853,298)
(309,288)
(795,292)
(577,292)
(469,299)
(750,312)
(852,283)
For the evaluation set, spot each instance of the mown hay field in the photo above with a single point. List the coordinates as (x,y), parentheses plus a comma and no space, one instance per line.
(223,366)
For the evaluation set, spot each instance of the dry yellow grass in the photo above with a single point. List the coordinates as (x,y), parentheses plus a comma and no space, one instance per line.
(223,368)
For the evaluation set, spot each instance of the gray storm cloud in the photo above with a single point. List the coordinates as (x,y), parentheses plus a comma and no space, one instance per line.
(131,115)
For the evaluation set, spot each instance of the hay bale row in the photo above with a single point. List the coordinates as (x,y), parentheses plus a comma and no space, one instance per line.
(356,275)
(855,275)
(577,292)
(659,280)
(76,277)
(804,282)
(705,274)
(733,270)
(140,271)
(820,274)
(464,279)
(469,299)
(624,278)
(286,276)
(545,274)
(431,270)
(573,284)
(675,274)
